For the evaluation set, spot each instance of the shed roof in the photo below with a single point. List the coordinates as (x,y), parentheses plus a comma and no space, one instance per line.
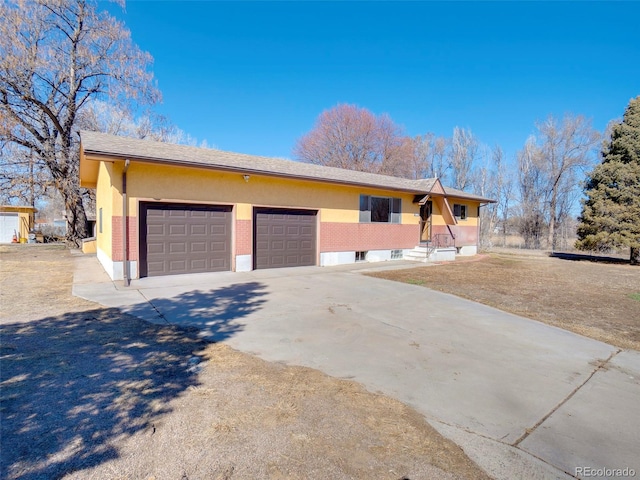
(96,145)
(17,209)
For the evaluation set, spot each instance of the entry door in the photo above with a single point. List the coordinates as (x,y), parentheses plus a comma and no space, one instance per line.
(425,222)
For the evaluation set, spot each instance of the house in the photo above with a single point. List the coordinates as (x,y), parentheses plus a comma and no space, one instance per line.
(165,209)
(15,223)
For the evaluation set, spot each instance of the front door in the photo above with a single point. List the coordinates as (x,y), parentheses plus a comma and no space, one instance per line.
(425,222)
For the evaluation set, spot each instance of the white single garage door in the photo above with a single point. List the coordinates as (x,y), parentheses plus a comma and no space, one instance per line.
(9,225)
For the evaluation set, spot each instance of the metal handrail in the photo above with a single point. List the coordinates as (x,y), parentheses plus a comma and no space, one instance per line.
(443,240)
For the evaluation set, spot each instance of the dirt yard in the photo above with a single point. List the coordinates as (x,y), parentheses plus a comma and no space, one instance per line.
(87,392)
(595,297)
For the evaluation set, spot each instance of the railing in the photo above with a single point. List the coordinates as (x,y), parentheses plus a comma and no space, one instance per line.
(443,240)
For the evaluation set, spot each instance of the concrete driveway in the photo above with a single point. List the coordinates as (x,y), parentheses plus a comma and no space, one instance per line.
(523,399)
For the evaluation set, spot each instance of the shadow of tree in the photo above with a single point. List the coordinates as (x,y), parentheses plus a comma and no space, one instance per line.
(585,257)
(215,313)
(73,385)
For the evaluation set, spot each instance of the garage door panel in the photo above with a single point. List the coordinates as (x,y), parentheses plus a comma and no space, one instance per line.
(284,238)
(198,247)
(218,230)
(181,238)
(176,213)
(156,229)
(198,229)
(177,248)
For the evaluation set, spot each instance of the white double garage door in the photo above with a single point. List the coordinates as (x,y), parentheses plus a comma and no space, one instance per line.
(179,238)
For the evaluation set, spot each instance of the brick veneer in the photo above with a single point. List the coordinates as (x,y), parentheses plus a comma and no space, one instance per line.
(116,238)
(465,235)
(243,237)
(342,237)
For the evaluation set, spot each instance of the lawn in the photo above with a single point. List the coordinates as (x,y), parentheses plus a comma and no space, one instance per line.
(88,392)
(598,299)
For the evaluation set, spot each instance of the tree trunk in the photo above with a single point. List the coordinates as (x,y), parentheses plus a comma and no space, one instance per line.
(635,256)
(77,228)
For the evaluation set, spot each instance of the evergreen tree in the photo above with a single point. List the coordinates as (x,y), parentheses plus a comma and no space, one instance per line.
(611,212)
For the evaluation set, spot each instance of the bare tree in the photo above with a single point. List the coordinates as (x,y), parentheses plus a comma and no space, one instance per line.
(350,137)
(429,157)
(56,55)
(439,160)
(532,185)
(106,117)
(24,176)
(462,156)
(493,181)
(504,191)
(566,147)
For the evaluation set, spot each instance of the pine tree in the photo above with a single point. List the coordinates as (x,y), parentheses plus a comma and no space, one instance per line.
(611,211)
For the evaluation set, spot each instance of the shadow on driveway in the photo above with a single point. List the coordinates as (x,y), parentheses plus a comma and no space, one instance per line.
(215,312)
(72,386)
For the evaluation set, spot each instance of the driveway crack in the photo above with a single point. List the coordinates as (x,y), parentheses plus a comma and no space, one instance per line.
(601,365)
(154,308)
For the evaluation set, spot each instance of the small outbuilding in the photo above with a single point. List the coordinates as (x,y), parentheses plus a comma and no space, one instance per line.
(167,209)
(15,223)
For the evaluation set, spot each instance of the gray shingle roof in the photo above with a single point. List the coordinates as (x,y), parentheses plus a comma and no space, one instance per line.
(94,143)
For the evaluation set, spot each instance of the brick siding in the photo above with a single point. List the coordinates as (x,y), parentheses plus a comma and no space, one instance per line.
(116,238)
(344,237)
(244,244)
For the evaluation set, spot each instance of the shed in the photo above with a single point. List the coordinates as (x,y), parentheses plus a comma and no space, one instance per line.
(16,222)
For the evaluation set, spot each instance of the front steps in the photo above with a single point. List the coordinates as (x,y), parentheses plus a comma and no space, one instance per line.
(425,254)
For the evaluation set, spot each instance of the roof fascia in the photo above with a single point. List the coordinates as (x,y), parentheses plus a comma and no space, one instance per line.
(103,156)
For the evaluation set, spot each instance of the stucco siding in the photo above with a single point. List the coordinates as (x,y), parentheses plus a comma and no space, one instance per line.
(337,203)
(104,207)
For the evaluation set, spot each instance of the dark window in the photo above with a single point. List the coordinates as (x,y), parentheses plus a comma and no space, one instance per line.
(380,209)
(365,209)
(361,256)
(100,220)
(460,211)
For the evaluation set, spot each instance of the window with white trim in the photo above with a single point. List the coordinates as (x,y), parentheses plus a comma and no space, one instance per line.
(460,211)
(380,209)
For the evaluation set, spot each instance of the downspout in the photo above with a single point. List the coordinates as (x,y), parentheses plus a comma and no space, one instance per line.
(125,260)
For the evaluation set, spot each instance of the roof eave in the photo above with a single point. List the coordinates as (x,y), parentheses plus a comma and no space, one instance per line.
(245,170)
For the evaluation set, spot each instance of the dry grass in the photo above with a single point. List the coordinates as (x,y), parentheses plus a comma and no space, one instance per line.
(88,392)
(598,299)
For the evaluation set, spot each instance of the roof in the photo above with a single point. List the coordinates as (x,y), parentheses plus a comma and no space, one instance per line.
(17,209)
(101,144)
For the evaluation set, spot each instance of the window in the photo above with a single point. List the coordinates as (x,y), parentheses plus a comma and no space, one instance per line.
(361,256)
(380,209)
(100,220)
(396,254)
(460,211)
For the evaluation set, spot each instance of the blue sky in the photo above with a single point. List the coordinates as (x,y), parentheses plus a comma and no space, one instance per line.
(252,77)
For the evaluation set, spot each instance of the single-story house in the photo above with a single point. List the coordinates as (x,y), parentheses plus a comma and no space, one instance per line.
(167,209)
(16,222)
